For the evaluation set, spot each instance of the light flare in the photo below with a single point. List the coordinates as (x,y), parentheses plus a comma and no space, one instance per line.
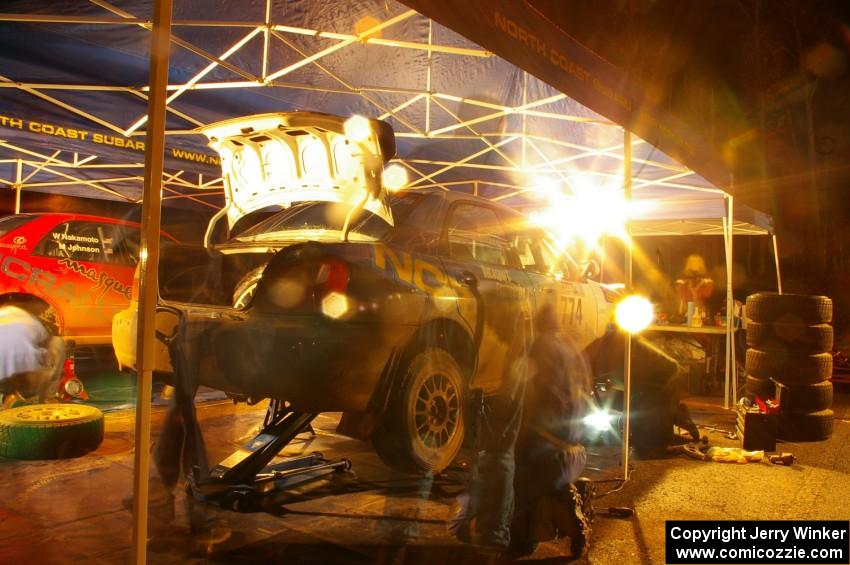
(395,177)
(634,313)
(334,305)
(599,420)
(358,128)
(591,210)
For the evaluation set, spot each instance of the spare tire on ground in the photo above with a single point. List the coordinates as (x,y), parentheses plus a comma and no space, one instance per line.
(814,338)
(789,308)
(50,431)
(803,399)
(789,368)
(815,426)
(763,388)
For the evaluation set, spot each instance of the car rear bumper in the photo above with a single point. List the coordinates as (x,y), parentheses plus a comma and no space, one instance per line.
(317,364)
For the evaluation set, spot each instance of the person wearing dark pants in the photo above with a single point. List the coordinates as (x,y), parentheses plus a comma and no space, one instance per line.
(549,457)
(485,512)
(180,447)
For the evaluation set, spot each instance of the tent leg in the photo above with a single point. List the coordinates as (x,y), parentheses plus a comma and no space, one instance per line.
(730,306)
(776,260)
(149,267)
(729,376)
(18,185)
(627,364)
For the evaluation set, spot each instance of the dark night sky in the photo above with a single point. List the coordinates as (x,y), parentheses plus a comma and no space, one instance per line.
(767,84)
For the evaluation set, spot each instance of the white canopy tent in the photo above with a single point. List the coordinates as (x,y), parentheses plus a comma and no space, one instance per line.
(710,212)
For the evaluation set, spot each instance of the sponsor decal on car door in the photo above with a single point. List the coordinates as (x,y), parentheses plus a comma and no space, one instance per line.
(478,258)
(97,260)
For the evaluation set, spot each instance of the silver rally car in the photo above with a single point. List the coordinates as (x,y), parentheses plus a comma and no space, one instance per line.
(393,308)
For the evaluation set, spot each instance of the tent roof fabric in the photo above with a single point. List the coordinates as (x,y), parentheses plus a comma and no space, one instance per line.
(73,98)
(663,213)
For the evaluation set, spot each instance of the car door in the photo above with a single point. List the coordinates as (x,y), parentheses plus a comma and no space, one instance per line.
(96,259)
(555,280)
(478,259)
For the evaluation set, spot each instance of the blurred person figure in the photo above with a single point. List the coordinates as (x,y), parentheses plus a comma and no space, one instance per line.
(486,509)
(180,447)
(549,455)
(31,358)
(695,285)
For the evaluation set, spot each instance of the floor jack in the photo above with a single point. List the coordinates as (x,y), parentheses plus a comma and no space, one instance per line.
(243,479)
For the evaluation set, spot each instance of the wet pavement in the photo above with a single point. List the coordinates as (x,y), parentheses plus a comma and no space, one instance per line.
(74,510)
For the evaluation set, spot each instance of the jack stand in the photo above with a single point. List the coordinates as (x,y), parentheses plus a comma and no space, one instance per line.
(241,480)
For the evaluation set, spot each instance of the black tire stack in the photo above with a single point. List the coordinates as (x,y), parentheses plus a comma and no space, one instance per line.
(789,340)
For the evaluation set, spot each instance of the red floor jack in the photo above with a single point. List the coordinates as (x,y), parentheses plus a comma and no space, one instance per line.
(70,386)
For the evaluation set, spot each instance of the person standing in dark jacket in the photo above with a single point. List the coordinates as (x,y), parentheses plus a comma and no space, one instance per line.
(549,457)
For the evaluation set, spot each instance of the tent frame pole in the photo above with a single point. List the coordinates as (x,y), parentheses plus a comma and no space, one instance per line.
(149,270)
(776,260)
(730,369)
(19,170)
(627,361)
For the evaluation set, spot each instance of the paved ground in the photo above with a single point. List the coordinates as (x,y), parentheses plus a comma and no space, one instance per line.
(71,510)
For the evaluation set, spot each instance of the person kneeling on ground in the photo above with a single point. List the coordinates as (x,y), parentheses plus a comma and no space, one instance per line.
(31,358)
(549,457)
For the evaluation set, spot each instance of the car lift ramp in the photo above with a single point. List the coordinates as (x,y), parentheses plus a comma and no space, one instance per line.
(244,478)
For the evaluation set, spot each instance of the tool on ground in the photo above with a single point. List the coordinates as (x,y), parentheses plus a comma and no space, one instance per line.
(782,459)
(728,434)
(618,512)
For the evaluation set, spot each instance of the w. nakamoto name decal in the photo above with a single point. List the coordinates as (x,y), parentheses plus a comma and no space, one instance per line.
(103,281)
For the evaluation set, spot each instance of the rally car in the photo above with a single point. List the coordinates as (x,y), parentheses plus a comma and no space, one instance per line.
(392,308)
(79,267)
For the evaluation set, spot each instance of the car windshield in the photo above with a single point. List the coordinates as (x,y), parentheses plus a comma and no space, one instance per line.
(314,218)
(10,223)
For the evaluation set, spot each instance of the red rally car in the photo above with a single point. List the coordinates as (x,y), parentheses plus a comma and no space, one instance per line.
(80,267)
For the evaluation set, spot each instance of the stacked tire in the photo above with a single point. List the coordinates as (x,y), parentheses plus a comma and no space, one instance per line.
(789,345)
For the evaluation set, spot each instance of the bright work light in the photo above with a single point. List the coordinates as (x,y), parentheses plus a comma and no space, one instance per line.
(634,313)
(357,128)
(599,420)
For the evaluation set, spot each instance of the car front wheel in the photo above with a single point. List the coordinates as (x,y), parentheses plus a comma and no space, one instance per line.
(423,427)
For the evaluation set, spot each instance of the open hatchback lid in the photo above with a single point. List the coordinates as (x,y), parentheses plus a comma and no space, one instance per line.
(282,158)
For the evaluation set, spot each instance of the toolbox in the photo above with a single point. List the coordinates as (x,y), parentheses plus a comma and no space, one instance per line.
(757,430)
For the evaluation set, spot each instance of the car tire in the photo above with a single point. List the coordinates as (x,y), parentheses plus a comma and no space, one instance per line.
(50,431)
(803,399)
(789,308)
(51,319)
(245,288)
(814,426)
(814,338)
(48,316)
(789,368)
(763,388)
(423,427)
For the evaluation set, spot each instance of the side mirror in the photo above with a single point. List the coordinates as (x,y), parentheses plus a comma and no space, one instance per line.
(589,270)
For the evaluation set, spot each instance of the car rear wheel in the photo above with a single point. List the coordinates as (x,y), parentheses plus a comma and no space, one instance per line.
(423,427)
(246,287)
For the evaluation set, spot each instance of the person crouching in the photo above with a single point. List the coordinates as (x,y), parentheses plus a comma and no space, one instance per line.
(31,358)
